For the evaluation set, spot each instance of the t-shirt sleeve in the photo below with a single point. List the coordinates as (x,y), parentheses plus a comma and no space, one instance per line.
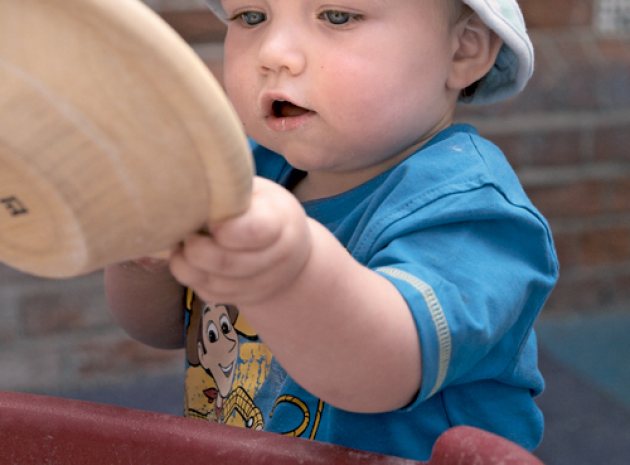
(474,283)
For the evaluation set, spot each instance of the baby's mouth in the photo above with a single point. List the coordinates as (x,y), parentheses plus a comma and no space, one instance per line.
(285,109)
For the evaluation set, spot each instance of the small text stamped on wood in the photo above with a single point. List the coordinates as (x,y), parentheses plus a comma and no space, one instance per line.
(14,206)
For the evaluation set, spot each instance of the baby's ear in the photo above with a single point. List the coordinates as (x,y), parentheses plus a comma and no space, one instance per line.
(475,50)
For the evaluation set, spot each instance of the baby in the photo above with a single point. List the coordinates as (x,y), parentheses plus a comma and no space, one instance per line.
(383,284)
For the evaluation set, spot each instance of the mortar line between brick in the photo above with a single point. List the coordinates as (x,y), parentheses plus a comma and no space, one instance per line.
(537,176)
(591,224)
(550,122)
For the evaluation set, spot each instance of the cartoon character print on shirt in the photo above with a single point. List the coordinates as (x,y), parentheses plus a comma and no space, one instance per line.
(227,364)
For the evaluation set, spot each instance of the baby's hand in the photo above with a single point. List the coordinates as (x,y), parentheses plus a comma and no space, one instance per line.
(250,258)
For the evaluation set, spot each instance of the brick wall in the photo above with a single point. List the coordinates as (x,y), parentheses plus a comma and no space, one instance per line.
(567,135)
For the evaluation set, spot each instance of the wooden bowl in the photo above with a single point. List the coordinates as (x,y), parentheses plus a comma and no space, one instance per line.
(115,139)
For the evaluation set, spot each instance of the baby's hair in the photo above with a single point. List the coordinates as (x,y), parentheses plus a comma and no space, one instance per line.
(457,9)
(468,92)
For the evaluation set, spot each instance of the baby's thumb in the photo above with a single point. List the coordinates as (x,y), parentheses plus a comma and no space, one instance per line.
(257,227)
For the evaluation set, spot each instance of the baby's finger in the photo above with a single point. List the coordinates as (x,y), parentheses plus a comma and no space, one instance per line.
(203,253)
(260,226)
(184,272)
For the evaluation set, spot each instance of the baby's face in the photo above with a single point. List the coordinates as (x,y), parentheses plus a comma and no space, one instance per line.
(340,87)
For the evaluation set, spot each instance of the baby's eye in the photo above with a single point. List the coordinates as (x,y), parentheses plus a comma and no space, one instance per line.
(338,18)
(251,18)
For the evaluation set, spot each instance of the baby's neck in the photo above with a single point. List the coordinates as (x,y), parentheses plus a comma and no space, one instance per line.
(323,184)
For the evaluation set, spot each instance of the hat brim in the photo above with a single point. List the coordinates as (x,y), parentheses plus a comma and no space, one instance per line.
(515,62)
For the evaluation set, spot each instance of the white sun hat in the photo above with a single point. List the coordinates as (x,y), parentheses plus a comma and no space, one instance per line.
(514,65)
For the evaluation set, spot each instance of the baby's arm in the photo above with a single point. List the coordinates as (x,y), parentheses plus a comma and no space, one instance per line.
(339,329)
(147,302)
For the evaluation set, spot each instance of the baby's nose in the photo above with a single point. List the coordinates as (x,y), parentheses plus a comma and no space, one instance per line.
(281,50)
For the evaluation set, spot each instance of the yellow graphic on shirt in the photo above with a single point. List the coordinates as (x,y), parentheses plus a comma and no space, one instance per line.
(300,429)
(240,405)
(223,375)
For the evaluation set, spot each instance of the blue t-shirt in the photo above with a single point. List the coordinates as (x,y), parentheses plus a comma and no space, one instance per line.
(453,230)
